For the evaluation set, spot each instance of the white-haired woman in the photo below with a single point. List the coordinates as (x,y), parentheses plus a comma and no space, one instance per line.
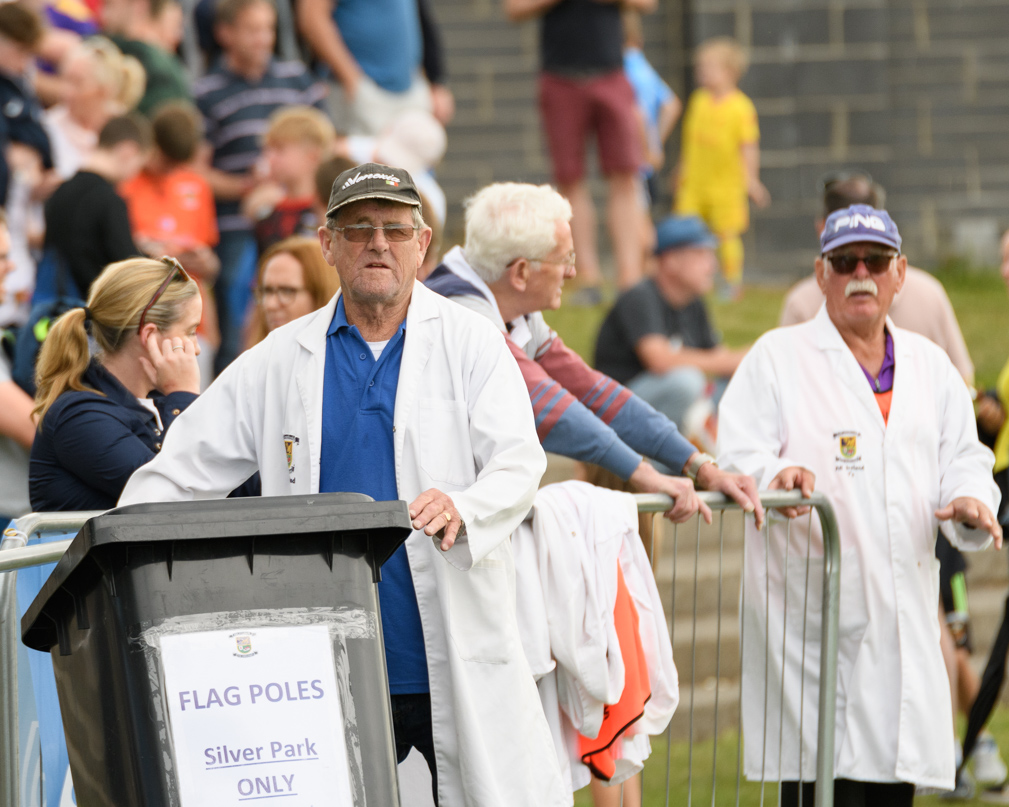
(101,82)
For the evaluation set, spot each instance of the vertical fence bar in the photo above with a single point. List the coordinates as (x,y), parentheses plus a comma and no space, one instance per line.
(802,674)
(672,642)
(693,670)
(718,656)
(828,653)
(784,642)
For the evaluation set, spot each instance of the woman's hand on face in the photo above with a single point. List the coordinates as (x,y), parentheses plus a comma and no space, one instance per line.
(172,365)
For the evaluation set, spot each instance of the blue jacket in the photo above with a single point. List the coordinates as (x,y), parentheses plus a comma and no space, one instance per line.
(89,444)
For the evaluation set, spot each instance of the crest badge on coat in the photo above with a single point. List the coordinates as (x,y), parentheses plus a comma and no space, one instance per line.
(290,441)
(849,446)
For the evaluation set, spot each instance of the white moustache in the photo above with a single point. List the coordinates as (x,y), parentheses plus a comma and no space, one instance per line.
(856,286)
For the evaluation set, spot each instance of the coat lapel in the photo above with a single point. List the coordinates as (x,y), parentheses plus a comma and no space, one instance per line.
(419,337)
(309,378)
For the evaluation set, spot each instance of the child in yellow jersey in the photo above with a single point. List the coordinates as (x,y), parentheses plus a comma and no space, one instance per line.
(720,159)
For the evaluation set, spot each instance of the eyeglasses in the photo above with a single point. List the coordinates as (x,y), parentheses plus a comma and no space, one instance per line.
(362,233)
(175,269)
(846,263)
(285,294)
(569,260)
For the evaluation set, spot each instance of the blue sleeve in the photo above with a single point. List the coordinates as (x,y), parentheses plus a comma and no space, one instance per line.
(579,434)
(95,445)
(653,434)
(172,405)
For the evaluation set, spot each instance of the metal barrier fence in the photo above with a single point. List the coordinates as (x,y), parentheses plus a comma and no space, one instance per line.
(15,553)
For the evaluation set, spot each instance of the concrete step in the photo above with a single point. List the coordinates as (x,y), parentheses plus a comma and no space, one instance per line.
(696,647)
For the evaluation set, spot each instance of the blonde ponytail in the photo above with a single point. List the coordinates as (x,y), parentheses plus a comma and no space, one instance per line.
(62,361)
(122,76)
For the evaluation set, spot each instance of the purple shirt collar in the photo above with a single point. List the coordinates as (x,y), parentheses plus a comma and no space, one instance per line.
(884,381)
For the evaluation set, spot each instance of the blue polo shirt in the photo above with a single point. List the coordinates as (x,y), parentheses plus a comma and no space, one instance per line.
(357,456)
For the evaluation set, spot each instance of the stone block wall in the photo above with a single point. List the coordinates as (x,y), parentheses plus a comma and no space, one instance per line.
(916,92)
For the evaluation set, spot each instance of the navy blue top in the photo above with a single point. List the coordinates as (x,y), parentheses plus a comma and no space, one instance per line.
(358,456)
(90,444)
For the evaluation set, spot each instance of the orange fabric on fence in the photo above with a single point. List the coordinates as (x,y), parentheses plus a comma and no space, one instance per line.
(597,753)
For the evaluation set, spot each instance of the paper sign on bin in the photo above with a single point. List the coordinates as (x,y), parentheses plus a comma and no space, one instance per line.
(256,716)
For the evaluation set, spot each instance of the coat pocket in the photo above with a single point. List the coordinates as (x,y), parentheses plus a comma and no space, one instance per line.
(478,623)
(446,453)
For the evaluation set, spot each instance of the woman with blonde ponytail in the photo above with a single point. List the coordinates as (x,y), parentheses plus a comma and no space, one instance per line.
(102,416)
(101,83)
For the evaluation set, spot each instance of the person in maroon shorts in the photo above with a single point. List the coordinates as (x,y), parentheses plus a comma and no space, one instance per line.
(583,91)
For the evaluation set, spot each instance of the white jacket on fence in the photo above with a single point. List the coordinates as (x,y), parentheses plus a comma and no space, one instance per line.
(566,585)
(799,398)
(463,424)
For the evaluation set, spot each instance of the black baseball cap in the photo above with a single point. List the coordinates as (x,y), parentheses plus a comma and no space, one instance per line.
(372,181)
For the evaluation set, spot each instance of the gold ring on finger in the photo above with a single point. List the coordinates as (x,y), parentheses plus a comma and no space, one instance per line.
(448,516)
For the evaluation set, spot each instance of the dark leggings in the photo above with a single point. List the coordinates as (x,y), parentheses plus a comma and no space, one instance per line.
(411,725)
(849,793)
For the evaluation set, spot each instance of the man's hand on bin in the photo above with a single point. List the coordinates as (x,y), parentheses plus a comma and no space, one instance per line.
(680,489)
(434,512)
(742,489)
(973,513)
(790,479)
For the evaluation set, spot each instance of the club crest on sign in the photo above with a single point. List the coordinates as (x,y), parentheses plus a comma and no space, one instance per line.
(243,644)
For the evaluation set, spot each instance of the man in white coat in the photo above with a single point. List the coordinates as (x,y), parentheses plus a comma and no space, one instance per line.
(878,419)
(395,392)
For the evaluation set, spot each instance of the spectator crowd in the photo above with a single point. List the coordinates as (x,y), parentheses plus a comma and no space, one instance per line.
(189,264)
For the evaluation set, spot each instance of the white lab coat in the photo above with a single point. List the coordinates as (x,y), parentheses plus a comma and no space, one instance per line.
(463,424)
(796,396)
(566,560)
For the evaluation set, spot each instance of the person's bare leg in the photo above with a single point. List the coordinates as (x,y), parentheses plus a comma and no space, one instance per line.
(609,796)
(949,659)
(968,683)
(583,232)
(623,217)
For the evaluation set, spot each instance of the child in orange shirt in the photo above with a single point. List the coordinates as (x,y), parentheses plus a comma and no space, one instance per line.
(720,160)
(171,205)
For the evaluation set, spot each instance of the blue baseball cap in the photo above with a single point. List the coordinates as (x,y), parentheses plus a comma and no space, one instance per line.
(674,232)
(858,223)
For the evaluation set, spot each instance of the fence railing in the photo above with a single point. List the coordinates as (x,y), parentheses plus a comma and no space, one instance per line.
(16,553)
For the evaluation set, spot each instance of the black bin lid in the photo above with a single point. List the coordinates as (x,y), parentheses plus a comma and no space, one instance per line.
(387,524)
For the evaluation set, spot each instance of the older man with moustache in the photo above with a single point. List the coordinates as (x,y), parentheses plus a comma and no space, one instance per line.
(395,392)
(878,419)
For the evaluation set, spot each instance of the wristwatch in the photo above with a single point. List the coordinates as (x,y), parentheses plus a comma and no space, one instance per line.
(695,465)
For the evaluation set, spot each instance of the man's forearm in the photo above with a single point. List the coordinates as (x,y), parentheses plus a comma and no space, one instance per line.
(227,187)
(716,361)
(751,160)
(315,23)
(518,10)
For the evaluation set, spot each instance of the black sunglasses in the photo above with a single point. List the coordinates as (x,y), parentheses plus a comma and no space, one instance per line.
(846,263)
(175,270)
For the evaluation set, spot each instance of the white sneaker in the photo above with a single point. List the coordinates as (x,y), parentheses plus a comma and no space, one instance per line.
(989,769)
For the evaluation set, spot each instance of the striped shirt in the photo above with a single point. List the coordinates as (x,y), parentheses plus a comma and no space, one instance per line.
(237,113)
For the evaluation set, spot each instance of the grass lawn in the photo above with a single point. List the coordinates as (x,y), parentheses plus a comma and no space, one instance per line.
(982,307)
(979,300)
(750,793)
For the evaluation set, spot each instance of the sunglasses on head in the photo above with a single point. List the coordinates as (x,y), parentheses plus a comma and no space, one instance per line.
(175,269)
(845,263)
